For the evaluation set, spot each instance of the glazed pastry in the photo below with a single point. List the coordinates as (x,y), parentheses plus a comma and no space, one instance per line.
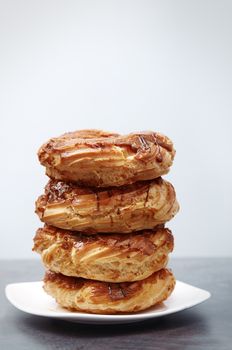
(135,207)
(104,257)
(78,294)
(101,159)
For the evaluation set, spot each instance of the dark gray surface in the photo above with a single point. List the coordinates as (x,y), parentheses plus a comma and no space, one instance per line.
(206,326)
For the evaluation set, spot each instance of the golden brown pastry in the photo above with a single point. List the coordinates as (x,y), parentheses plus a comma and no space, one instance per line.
(104,257)
(78,294)
(135,207)
(102,159)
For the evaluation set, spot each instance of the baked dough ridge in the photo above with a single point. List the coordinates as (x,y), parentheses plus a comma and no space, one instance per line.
(139,206)
(102,159)
(78,294)
(104,257)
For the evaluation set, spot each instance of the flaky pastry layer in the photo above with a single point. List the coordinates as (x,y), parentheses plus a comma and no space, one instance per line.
(78,294)
(135,207)
(102,159)
(104,257)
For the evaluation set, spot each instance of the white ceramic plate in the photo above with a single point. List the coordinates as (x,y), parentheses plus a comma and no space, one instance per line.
(31,298)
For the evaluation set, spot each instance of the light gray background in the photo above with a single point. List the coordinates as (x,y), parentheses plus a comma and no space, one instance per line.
(123,66)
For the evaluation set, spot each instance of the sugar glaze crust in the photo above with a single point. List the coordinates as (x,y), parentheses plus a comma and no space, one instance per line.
(104,257)
(139,206)
(102,159)
(79,294)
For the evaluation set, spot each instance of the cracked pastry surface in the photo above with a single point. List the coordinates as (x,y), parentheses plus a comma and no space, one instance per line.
(78,294)
(104,257)
(102,159)
(135,207)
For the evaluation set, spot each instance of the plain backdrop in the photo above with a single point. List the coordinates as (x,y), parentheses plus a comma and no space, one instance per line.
(120,66)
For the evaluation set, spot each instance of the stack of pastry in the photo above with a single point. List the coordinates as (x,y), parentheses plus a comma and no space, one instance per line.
(104,243)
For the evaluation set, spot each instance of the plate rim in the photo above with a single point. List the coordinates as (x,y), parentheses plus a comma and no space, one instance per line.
(81,316)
